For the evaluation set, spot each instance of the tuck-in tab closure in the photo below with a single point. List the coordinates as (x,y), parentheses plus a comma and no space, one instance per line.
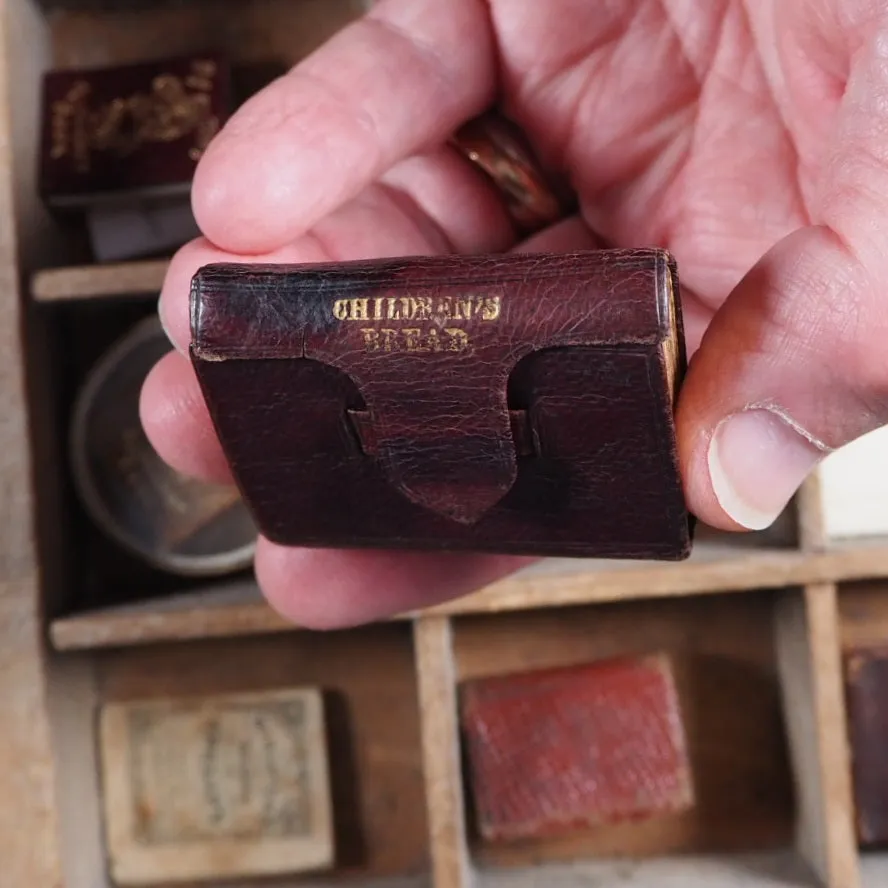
(433,375)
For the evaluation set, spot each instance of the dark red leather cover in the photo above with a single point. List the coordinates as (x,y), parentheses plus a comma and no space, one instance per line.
(128,131)
(552,751)
(867,696)
(517,404)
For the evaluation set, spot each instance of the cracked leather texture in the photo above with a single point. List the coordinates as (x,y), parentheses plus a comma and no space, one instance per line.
(508,403)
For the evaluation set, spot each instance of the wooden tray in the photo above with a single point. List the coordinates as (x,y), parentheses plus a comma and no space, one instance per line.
(779,606)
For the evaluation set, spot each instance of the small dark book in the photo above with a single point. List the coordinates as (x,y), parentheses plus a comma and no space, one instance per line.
(120,146)
(520,404)
(130,131)
(866,675)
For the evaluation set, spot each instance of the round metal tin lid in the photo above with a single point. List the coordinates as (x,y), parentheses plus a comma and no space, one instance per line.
(175,523)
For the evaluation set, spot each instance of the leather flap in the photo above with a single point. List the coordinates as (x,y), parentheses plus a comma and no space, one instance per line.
(431,353)
(433,373)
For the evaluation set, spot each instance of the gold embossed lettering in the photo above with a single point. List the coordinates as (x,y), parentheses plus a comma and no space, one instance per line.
(443,309)
(422,308)
(415,340)
(173,108)
(371,338)
(459,339)
(412,340)
(462,308)
(418,324)
(433,340)
(400,309)
(359,310)
(490,308)
(440,310)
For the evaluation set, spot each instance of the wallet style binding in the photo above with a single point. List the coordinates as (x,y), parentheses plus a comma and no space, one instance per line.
(518,404)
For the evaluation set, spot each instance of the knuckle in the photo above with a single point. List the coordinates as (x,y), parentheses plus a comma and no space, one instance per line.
(827,318)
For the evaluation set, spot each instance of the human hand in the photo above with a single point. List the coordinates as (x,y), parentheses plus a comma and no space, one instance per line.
(751,140)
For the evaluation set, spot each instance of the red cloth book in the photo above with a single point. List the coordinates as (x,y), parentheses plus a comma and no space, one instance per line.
(557,750)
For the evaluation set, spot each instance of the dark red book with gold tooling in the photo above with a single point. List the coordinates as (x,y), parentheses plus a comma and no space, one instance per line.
(126,132)
(520,404)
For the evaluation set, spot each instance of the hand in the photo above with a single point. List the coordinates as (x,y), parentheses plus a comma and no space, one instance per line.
(751,140)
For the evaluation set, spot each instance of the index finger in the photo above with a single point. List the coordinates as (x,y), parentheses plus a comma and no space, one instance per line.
(402,77)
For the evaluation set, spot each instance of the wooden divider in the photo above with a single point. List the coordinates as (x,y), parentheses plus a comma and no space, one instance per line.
(808,636)
(807,639)
(436,680)
(28,815)
(41,843)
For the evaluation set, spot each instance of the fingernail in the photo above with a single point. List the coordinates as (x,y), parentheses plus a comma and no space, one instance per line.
(757,461)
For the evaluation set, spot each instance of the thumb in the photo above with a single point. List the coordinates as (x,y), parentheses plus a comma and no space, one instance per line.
(795,363)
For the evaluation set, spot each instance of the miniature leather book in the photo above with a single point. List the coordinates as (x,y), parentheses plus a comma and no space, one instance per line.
(127,132)
(867,695)
(520,404)
(558,750)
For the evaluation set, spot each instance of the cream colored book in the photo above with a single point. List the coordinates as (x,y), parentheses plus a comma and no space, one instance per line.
(216,787)
(854,488)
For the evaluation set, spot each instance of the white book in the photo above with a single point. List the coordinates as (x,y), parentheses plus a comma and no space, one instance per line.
(854,487)
(219,787)
(118,233)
